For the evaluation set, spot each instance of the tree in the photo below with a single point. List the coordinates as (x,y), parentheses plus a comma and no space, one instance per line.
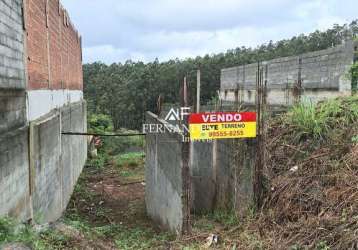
(126,91)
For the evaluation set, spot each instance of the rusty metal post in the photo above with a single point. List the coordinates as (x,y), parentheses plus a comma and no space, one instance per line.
(297,89)
(258,172)
(186,228)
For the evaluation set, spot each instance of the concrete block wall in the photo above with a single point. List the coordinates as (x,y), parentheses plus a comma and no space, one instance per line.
(14,158)
(163,164)
(12,69)
(12,74)
(320,75)
(12,110)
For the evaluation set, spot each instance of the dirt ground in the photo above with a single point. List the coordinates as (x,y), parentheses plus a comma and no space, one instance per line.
(108,211)
(111,199)
(121,200)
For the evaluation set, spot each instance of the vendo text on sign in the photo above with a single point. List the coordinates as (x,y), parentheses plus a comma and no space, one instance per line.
(222,125)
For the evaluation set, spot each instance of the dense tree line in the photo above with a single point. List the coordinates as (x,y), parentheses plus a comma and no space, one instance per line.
(126,90)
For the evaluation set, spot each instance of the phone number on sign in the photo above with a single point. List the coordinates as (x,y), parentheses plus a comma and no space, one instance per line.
(226,133)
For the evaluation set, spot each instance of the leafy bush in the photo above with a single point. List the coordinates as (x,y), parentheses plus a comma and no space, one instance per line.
(353,73)
(110,146)
(99,123)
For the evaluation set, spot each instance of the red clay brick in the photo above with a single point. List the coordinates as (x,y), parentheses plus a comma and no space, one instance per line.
(53,47)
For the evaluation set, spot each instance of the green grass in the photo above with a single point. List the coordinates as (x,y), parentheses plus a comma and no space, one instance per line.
(353,76)
(130,159)
(227,218)
(316,121)
(311,122)
(116,145)
(80,188)
(12,231)
(123,237)
(140,238)
(352,109)
(355,139)
(130,166)
(100,161)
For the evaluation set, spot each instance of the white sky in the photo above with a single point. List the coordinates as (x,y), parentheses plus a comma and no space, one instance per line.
(118,30)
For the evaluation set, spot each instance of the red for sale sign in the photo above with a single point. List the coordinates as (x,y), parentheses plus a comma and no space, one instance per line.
(222,125)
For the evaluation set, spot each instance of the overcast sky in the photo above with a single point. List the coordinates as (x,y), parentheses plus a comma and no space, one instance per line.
(118,30)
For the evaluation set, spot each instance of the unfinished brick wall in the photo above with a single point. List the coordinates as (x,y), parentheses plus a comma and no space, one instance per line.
(53,47)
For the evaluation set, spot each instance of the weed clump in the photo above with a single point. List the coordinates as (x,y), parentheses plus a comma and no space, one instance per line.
(318,121)
(313,172)
(13,232)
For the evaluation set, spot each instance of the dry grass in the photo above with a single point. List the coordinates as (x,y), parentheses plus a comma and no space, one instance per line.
(313,193)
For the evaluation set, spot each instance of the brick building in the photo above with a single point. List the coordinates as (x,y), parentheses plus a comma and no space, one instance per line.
(41,95)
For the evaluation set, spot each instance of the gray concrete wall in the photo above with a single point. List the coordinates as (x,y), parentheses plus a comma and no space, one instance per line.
(14,174)
(225,162)
(323,75)
(223,175)
(243,172)
(73,118)
(39,167)
(45,141)
(164,185)
(202,165)
(14,157)
(58,160)
(12,110)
